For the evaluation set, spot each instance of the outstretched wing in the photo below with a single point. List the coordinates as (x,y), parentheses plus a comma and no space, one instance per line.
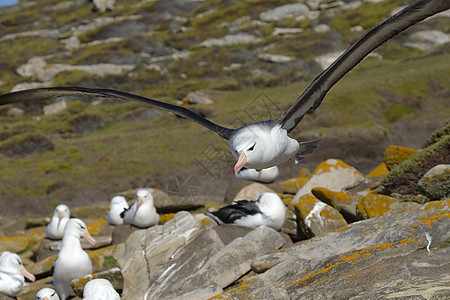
(54,92)
(377,35)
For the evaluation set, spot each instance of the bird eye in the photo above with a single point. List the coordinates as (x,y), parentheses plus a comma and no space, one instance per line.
(53,294)
(252,147)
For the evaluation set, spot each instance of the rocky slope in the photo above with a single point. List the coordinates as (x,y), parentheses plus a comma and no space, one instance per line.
(353,232)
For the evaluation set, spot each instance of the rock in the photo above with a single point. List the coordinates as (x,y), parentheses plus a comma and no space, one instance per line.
(15,112)
(43,267)
(291,186)
(165,249)
(380,170)
(55,108)
(286,31)
(384,254)
(233,261)
(104,5)
(374,205)
(322,28)
(197,97)
(284,12)
(327,59)
(332,174)
(393,155)
(103,259)
(275,58)
(315,218)
(14,244)
(435,184)
(231,39)
(37,69)
(427,39)
(344,203)
(252,192)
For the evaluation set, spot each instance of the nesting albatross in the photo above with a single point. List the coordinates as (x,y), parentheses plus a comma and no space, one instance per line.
(265,144)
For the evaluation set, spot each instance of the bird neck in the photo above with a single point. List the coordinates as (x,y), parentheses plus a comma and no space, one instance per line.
(70,241)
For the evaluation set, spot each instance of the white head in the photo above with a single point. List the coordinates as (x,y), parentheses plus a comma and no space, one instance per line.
(77,228)
(47,294)
(62,211)
(119,201)
(99,289)
(143,196)
(261,145)
(273,207)
(11,264)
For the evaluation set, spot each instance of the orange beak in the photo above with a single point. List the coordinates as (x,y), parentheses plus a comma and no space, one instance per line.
(27,274)
(139,202)
(242,160)
(89,238)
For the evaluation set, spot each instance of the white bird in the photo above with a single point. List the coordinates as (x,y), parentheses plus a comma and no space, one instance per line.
(72,261)
(55,228)
(100,289)
(269,210)
(142,213)
(12,274)
(265,144)
(264,175)
(47,294)
(117,206)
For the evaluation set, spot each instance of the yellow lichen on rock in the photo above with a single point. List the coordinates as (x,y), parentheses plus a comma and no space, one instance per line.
(14,244)
(380,170)
(374,205)
(393,155)
(165,217)
(96,226)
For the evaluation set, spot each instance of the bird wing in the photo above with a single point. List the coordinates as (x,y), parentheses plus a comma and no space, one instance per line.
(377,35)
(233,212)
(54,92)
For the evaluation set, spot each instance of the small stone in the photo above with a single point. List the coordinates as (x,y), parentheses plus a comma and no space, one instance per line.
(55,108)
(197,97)
(435,184)
(315,218)
(15,112)
(284,12)
(393,155)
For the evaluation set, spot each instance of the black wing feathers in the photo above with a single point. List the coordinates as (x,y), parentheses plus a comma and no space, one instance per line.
(233,212)
(54,92)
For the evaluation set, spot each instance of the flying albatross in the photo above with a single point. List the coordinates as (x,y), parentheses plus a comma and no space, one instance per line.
(265,144)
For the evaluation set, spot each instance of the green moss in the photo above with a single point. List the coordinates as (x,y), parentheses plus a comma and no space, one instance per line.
(68,78)
(396,111)
(109,262)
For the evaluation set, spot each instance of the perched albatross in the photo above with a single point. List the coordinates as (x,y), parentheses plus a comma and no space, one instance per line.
(269,210)
(99,289)
(72,261)
(117,206)
(55,228)
(265,144)
(47,294)
(142,212)
(12,274)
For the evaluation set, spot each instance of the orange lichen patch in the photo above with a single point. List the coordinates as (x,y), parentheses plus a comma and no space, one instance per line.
(42,266)
(333,198)
(35,234)
(437,205)
(15,244)
(96,226)
(393,155)
(241,289)
(165,217)
(374,205)
(286,199)
(313,275)
(380,170)
(291,186)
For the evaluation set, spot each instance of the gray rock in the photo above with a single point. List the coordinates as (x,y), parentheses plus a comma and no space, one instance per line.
(198,97)
(435,184)
(55,108)
(321,28)
(104,5)
(427,39)
(15,112)
(231,39)
(284,12)
(275,58)
(370,256)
